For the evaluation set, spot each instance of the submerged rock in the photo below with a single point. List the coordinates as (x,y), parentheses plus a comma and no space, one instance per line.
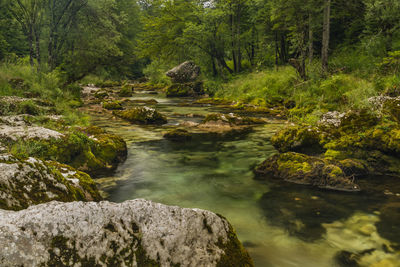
(142,115)
(186,72)
(112,105)
(178,135)
(32,181)
(307,170)
(133,233)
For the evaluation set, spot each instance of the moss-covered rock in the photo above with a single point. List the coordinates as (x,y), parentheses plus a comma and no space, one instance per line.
(303,169)
(133,233)
(126,91)
(232,119)
(101,94)
(299,139)
(28,182)
(112,105)
(179,90)
(90,150)
(178,135)
(142,115)
(11,105)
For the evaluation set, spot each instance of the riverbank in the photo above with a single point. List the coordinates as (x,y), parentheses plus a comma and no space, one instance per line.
(48,149)
(216,174)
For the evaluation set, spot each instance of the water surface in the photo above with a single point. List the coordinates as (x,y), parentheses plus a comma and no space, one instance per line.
(280,224)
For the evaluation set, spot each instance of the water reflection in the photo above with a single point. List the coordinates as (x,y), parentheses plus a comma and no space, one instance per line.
(280,224)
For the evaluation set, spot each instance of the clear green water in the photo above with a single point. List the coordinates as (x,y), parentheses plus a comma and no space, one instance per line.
(280,224)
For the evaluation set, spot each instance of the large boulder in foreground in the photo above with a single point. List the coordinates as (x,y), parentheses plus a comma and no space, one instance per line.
(184,73)
(32,181)
(133,233)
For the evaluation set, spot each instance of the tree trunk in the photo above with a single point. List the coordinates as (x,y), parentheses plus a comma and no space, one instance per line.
(325,35)
(238,41)
(233,40)
(276,50)
(37,44)
(31,48)
(310,40)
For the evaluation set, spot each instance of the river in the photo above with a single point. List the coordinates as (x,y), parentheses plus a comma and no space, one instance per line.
(280,224)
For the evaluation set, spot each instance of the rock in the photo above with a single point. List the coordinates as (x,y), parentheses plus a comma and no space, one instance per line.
(13,105)
(332,119)
(145,101)
(142,115)
(184,89)
(299,139)
(101,94)
(32,181)
(214,130)
(232,119)
(126,91)
(178,135)
(96,153)
(112,105)
(184,73)
(133,233)
(302,169)
(14,133)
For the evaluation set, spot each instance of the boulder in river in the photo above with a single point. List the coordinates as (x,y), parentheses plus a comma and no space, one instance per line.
(133,233)
(142,115)
(307,170)
(32,181)
(186,72)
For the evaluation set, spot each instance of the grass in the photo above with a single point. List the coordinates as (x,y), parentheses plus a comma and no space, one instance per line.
(353,79)
(24,81)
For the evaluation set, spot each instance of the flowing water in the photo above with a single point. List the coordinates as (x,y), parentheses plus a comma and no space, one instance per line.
(280,224)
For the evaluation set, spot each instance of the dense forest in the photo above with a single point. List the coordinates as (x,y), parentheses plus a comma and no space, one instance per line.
(282,115)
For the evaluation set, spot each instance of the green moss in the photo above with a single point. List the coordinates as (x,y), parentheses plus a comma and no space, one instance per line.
(101,94)
(303,169)
(126,91)
(142,115)
(179,90)
(234,252)
(112,105)
(232,119)
(178,135)
(299,139)
(88,149)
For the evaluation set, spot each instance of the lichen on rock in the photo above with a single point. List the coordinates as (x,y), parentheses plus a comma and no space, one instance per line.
(133,233)
(32,181)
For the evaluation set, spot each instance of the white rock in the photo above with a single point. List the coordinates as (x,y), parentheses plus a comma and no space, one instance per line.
(109,234)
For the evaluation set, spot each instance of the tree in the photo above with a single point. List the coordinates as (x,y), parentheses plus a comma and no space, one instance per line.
(29,14)
(326,35)
(62,15)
